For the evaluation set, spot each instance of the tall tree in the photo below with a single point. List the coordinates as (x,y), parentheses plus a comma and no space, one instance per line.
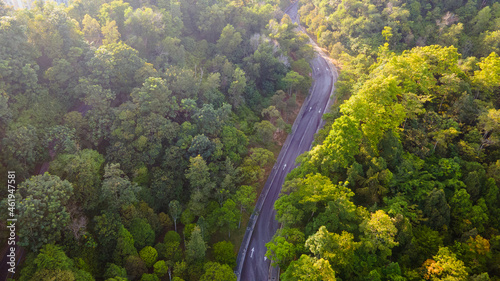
(124,246)
(489,122)
(307,268)
(216,271)
(149,255)
(245,197)
(198,173)
(142,233)
(437,209)
(114,67)
(253,165)
(487,77)
(379,233)
(229,41)
(144,28)
(83,170)
(292,80)
(235,143)
(114,11)
(339,250)
(106,227)
(224,253)
(226,216)
(265,131)
(444,266)
(117,190)
(237,87)
(42,209)
(110,33)
(172,244)
(91,30)
(285,246)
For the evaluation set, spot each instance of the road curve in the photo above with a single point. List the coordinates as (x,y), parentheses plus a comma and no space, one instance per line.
(253,264)
(4,267)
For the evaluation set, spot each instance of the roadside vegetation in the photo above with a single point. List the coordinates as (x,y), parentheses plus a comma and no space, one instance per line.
(403,182)
(157,121)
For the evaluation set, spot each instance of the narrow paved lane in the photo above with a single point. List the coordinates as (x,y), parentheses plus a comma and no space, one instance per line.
(255,266)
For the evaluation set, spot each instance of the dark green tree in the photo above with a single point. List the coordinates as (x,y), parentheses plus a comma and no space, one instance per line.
(175,211)
(437,209)
(149,255)
(224,253)
(83,170)
(309,268)
(160,268)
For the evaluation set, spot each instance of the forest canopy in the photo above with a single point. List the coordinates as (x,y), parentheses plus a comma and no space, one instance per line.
(140,131)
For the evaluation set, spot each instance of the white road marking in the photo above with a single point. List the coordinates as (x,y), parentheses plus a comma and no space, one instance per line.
(251,254)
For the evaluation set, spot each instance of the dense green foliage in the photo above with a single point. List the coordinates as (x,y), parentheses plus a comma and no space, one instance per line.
(156,120)
(403,182)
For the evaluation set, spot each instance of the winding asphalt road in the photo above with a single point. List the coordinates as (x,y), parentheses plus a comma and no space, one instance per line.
(255,266)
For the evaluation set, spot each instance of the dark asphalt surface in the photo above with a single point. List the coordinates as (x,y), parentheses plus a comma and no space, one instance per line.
(255,266)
